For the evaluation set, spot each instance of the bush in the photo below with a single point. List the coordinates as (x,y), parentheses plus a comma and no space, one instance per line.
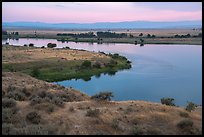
(183,114)
(8,103)
(97,65)
(136,130)
(33,117)
(186,123)
(190,106)
(115,123)
(168,101)
(8,115)
(86,64)
(8,129)
(26,92)
(35,72)
(92,113)
(35,100)
(103,96)
(51,45)
(31,45)
(16,95)
(58,101)
(45,106)
(42,94)
(37,130)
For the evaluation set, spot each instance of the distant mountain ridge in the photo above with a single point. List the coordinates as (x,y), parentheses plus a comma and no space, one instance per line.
(105,25)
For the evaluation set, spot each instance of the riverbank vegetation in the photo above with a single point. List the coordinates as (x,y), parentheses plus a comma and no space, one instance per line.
(60,64)
(189,36)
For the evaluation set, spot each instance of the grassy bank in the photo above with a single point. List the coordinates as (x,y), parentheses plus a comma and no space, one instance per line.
(53,68)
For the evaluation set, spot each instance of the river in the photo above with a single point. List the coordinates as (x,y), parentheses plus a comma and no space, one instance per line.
(157,71)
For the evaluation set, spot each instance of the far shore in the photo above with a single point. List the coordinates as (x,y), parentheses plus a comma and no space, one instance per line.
(162,36)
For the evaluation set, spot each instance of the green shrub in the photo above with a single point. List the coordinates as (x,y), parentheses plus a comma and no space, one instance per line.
(8,129)
(8,103)
(190,106)
(168,101)
(93,113)
(17,95)
(35,72)
(115,123)
(31,45)
(26,92)
(103,96)
(97,65)
(86,64)
(183,114)
(33,117)
(7,115)
(58,101)
(35,100)
(42,94)
(10,68)
(136,130)
(51,45)
(186,123)
(11,88)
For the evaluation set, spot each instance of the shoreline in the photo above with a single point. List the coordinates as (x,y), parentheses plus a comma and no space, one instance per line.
(55,65)
(182,41)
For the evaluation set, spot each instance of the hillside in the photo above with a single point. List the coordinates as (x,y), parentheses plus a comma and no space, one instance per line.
(39,107)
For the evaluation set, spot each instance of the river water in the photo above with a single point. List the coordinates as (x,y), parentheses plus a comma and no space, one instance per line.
(157,71)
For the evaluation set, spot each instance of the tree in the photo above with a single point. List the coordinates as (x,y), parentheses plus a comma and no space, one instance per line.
(168,101)
(141,40)
(103,96)
(148,35)
(31,45)
(16,33)
(51,45)
(153,36)
(190,106)
(131,36)
(141,34)
(188,35)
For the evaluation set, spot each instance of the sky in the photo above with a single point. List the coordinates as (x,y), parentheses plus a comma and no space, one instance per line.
(91,12)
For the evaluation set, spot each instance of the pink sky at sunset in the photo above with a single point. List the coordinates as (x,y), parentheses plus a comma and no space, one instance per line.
(90,12)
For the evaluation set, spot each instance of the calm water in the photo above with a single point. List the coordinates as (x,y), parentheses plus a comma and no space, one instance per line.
(157,71)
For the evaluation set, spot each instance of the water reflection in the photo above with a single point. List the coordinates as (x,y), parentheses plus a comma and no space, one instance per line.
(141,45)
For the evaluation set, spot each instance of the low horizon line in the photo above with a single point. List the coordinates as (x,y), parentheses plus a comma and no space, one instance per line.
(101,22)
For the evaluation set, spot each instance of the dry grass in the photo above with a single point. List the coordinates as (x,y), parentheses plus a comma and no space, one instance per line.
(13,54)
